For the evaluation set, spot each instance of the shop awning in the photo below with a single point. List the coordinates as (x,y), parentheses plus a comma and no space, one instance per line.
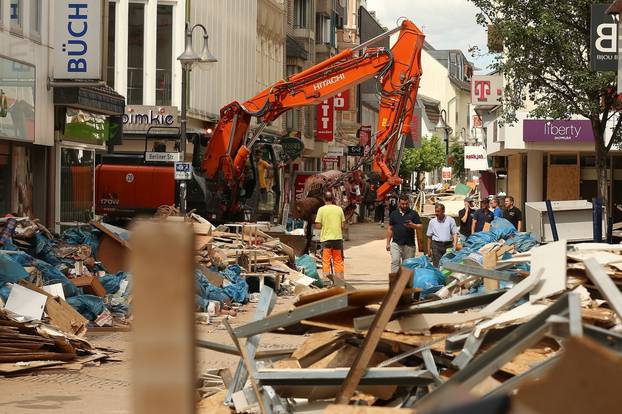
(98,99)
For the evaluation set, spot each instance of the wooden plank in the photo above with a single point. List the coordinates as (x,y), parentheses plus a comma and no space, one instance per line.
(373,336)
(317,346)
(90,284)
(315,296)
(61,314)
(163,362)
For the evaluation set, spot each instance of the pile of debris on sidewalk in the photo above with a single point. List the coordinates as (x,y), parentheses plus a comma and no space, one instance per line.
(494,319)
(80,279)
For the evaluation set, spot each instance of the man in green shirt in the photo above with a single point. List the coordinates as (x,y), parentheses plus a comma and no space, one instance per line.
(331,220)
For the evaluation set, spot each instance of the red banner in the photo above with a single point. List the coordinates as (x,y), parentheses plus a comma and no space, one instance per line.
(299,184)
(342,101)
(325,120)
(364,135)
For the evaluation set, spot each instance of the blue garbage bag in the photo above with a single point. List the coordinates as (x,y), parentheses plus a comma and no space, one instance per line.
(89,306)
(10,270)
(5,291)
(309,267)
(77,235)
(205,291)
(426,277)
(238,289)
(502,228)
(44,250)
(112,283)
(50,273)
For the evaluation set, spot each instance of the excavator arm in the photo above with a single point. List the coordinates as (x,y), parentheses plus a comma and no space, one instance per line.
(397,70)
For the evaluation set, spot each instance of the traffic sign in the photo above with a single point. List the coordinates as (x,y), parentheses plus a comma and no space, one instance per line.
(355,150)
(162,156)
(183,171)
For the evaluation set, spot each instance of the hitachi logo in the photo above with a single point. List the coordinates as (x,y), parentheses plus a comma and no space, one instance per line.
(330,81)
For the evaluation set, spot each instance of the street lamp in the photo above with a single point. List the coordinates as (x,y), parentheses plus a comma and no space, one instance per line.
(442,125)
(187,59)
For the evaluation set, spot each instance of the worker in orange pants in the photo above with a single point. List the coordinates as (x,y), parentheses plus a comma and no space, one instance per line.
(331,221)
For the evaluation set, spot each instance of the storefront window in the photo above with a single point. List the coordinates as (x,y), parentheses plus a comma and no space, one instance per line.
(17,100)
(86,127)
(164,55)
(135,63)
(77,173)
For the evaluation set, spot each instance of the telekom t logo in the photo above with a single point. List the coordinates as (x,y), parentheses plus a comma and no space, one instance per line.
(482,89)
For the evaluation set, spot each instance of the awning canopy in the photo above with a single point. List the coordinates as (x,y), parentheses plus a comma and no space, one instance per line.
(98,99)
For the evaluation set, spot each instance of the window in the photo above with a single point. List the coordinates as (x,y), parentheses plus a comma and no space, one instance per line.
(112,8)
(164,55)
(15,15)
(35,18)
(77,172)
(136,39)
(292,116)
(300,13)
(322,29)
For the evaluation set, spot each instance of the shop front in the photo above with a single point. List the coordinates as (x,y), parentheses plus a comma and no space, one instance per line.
(87,119)
(22,163)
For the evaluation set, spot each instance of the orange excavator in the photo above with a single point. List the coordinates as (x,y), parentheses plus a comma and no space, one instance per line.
(228,164)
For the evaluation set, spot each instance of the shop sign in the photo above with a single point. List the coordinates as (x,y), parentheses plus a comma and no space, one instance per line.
(141,118)
(568,130)
(330,158)
(475,158)
(78,39)
(334,151)
(17,100)
(183,171)
(342,101)
(325,120)
(292,147)
(486,90)
(162,156)
(355,150)
(603,39)
(446,173)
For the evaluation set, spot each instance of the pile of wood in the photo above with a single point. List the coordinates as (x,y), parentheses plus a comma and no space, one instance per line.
(33,345)
(370,348)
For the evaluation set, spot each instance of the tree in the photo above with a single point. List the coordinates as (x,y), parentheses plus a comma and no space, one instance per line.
(456,157)
(546,49)
(428,157)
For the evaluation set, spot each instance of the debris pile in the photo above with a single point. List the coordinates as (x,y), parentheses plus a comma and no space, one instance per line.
(550,313)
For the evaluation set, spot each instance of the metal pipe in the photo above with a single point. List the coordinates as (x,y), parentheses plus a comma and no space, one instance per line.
(549,210)
(182,145)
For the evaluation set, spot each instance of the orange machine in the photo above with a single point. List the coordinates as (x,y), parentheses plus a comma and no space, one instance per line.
(225,178)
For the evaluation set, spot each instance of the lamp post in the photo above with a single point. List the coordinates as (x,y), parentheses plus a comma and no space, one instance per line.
(187,59)
(442,125)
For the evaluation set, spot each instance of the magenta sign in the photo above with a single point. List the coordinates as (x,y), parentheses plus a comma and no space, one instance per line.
(570,130)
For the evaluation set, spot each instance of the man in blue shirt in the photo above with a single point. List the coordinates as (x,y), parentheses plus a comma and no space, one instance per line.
(442,234)
(401,233)
(496,210)
(482,216)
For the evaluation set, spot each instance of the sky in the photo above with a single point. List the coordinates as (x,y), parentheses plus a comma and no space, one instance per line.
(447,24)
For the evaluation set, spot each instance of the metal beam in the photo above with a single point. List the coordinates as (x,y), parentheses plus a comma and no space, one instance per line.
(293,316)
(604,284)
(481,272)
(336,376)
(231,350)
(512,344)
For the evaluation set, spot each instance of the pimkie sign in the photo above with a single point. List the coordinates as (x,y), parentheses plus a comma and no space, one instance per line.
(141,118)
(568,130)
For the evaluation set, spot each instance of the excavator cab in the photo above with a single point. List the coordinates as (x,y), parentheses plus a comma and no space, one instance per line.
(262,191)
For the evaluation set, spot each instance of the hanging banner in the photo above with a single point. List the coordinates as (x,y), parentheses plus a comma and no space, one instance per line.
(603,39)
(342,101)
(78,39)
(325,120)
(364,134)
(475,158)
(414,139)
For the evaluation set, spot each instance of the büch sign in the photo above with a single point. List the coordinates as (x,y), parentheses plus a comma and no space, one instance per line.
(78,39)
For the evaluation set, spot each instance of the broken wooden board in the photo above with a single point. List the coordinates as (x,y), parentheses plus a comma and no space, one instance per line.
(512,316)
(305,298)
(551,258)
(585,380)
(317,346)
(90,284)
(214,404)
(61,314)
(112,250)
(424,322)
(11,368)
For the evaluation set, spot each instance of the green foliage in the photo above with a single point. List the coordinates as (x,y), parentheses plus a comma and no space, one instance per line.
(456,152)
(429,156)
(546,52)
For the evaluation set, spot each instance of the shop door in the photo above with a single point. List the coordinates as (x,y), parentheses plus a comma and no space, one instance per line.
(77,183)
